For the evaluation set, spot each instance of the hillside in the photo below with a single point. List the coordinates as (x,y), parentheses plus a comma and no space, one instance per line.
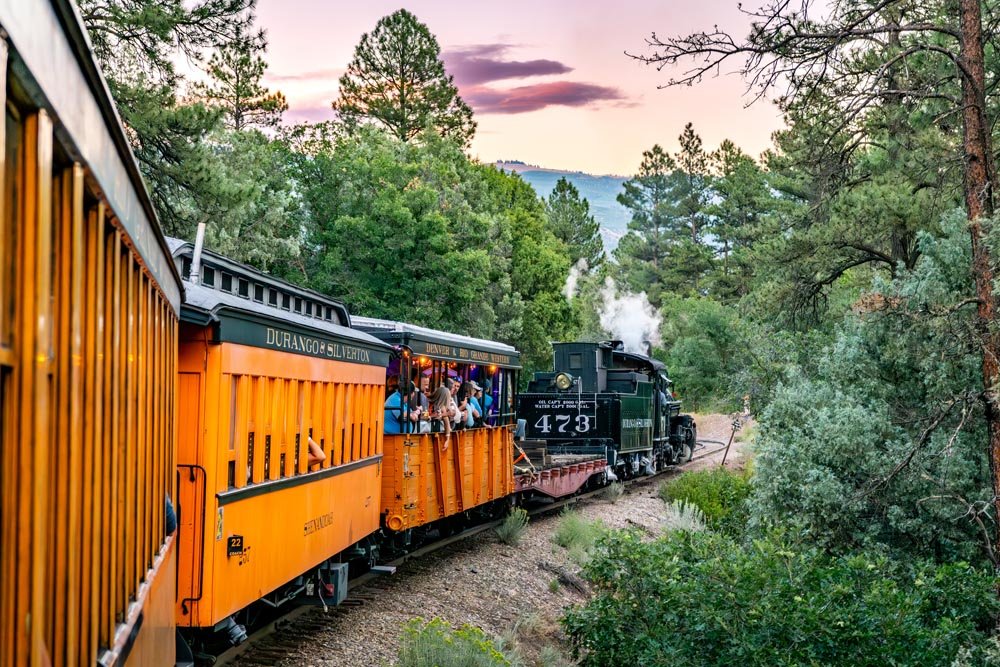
(600,191)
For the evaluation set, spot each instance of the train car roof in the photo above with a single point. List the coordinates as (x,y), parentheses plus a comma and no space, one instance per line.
(61,76)
(249,321)
(441,344)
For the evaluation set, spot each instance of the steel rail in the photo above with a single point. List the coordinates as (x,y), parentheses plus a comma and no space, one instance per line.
(256,638)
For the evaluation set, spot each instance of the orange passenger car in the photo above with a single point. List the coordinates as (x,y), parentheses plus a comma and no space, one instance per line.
(265,367)
(88,328)
(424,483)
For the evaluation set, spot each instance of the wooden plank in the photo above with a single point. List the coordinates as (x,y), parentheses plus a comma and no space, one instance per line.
(17,561)
(129,444)
(59,427)
(8,399)
(38,205)
(91,490)
(114,495)
(76,443)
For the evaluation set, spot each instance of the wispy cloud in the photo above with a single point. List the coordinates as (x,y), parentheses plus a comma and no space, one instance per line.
(311,113)
(523,99)
(482,63)
(324,75)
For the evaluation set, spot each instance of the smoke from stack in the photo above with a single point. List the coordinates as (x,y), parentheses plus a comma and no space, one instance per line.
(629,318)
(575,273)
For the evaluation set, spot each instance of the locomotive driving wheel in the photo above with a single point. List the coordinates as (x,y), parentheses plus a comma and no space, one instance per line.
(690,439)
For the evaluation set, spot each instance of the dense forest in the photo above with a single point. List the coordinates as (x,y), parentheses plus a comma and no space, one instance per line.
(843,281)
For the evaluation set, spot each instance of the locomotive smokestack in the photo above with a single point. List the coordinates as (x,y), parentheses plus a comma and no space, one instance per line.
(649,348)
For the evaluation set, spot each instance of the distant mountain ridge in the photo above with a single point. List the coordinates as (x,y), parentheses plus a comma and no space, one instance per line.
(600,191)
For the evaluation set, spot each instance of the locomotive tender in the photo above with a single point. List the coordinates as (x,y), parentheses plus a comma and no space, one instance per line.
(602,400)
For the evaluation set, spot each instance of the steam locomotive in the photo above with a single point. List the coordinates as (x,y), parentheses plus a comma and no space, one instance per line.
(601,400)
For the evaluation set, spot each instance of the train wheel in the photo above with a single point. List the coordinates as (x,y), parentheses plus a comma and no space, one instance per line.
(688,451)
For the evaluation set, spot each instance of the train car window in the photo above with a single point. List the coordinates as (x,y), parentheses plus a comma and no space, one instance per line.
(286,301)
(244,288)
(272,297)
(329,314)
(258,293)
(309,308)
(575,362)
(227,282)
(298,305)
(186,267)
(208,277)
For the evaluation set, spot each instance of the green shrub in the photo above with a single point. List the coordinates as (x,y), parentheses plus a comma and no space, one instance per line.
(719,493)
(435,643)
(706,599)
(512,528)
(682,515)
(576,534)
(612,492)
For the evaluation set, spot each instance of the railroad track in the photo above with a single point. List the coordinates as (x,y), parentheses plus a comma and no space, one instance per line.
(270,643)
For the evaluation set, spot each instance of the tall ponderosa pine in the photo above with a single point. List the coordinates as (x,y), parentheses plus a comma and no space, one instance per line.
(665,250)
(855,54)
(740,200)
(571,221)
(236,70)
(643,251)
(397,80)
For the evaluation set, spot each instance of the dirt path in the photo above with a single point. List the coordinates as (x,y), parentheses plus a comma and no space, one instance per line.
(507,591)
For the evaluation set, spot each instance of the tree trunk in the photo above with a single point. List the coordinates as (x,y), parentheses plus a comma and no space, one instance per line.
(979,204)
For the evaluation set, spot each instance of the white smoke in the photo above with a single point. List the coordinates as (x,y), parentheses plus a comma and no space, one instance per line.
(629,318)
(575,272)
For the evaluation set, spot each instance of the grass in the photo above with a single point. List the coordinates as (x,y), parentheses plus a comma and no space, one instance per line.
(512,529)
(435,642)
(613,492)
(682,516)
(577,535)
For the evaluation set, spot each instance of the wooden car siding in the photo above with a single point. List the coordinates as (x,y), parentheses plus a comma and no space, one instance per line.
(87,376)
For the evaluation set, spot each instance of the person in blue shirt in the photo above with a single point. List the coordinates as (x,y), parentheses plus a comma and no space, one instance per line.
(395,420)
(475,409)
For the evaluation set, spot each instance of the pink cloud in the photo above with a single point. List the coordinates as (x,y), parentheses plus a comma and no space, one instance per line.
(324,75)
(523,99)
(483,63)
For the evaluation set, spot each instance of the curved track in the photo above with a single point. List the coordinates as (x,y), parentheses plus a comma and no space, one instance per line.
(270,643)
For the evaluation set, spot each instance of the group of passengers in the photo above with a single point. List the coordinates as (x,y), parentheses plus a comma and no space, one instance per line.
(454,405)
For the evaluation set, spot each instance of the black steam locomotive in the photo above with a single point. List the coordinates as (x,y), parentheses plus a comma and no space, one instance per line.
(602,400)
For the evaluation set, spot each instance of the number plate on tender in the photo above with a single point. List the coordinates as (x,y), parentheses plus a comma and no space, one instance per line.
(563,416)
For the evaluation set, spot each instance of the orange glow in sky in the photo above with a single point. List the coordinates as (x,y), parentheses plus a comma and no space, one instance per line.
(549,81)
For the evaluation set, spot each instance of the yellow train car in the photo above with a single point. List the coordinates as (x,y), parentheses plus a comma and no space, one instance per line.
(424,483)
(89,301)
(265,368)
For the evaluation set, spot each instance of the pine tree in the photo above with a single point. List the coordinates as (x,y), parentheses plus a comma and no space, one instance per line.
(236,70)
(571,221)
(397,80)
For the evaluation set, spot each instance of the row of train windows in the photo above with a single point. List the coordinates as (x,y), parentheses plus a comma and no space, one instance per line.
(261,294)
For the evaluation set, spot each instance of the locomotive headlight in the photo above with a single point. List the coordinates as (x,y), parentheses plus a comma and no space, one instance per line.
(563,381)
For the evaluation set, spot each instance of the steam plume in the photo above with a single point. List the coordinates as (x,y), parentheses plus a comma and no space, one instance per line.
(575,272)
(629,318)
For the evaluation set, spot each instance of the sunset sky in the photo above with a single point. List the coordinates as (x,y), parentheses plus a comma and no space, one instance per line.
(549,81)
